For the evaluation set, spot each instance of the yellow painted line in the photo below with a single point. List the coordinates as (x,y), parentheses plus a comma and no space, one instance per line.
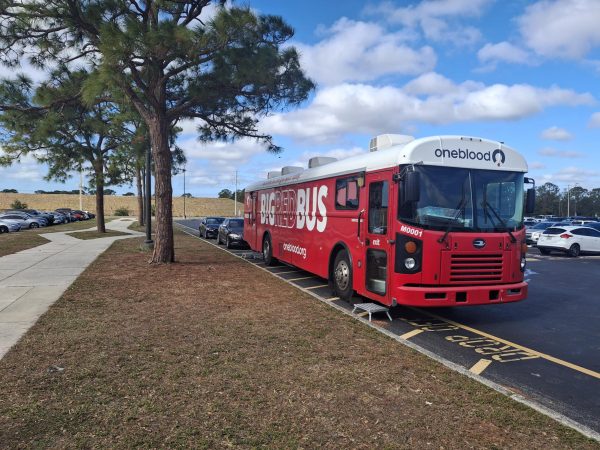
(331,299)
(411,333)
(289,271)
(316,287)
(553,359)
(363,314)
(480,366)
(298,279)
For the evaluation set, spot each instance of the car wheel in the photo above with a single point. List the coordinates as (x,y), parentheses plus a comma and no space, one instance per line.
(268,251)
(574,250)
(218,239)
(228,242)
(34,225)
(544,251)
(3,230)
(342,276)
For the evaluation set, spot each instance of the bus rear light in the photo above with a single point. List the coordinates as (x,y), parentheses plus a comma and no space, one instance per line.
(566,236)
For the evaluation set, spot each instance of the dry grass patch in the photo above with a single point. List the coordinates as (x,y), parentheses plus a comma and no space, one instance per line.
(211,352)
(22,240)
(96,235)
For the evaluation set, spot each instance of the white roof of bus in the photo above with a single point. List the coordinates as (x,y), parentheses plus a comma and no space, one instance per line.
(449,151)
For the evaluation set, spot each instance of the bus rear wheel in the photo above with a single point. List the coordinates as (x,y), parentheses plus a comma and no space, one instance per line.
(342,276)
(268,251)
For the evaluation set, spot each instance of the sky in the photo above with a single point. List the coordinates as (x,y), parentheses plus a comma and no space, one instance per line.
(522,72)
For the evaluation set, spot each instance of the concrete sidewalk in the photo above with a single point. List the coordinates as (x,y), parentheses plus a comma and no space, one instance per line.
(33,279)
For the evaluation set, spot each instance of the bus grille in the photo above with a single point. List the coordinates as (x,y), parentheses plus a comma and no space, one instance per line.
(476,268)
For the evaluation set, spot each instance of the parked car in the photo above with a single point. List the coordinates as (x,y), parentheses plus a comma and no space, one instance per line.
(529,223)
(231,232)
(8,225)
(35,213)
(26,221)
(532,234)
(572,240)
(209,227)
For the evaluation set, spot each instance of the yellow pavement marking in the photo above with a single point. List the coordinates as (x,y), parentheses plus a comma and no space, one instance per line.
(480,366)
(331,299)
(316,287)
(363,314)
(411,333)
(298,279)
(553,359)
(289,271)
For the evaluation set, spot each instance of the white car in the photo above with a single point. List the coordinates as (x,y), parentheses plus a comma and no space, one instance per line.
(572,240)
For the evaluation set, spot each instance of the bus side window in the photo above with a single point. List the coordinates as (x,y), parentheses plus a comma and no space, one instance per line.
(378,207)
(346,193)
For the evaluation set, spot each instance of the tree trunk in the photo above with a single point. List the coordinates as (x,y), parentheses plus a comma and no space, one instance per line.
(140,197)
(99,174)
(164,251)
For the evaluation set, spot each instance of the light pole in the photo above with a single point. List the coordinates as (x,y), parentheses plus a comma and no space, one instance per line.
(235,197)
(184,193)
(568,201)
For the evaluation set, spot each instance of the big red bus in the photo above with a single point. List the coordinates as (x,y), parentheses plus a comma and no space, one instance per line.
(436,221)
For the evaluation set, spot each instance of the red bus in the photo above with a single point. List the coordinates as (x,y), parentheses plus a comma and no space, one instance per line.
(436,221)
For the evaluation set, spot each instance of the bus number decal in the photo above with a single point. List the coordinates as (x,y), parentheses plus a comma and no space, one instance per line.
(411,231)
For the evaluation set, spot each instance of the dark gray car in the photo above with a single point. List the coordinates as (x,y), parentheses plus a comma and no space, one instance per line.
(231,233)
(209,226)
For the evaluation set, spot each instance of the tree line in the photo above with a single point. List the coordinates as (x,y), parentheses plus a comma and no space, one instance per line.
(574,201)
(121,74)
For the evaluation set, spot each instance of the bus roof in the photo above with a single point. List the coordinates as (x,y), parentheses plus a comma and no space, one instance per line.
(448,151)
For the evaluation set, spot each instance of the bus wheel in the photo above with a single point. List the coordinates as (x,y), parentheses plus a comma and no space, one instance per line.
(268,251)
(342,276)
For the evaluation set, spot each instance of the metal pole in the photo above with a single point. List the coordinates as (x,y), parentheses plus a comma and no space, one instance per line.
(184,193)
(81,190)
(568,201)
(148,197)
(235,196)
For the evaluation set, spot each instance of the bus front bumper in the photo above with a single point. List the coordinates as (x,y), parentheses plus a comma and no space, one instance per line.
(460,295)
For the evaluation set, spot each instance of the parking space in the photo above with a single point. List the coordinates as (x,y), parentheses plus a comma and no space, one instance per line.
(545,349)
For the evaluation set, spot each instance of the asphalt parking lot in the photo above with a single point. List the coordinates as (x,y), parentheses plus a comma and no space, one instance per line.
(545,349)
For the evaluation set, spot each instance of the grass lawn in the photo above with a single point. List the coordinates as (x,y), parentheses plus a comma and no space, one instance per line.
(211,352)
(95,234)
(22,240)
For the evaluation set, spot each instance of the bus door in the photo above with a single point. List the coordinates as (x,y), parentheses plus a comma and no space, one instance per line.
(377,242)
(252,215)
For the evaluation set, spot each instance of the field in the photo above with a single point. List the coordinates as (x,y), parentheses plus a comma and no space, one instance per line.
(194,207)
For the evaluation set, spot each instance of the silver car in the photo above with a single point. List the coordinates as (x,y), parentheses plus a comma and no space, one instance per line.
(27,221)
(8,225)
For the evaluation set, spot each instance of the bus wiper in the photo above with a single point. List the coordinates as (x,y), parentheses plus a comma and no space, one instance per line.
(460,209)
(487,206)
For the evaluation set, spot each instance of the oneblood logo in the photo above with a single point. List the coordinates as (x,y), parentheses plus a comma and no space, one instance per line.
(497,156)
(290,208)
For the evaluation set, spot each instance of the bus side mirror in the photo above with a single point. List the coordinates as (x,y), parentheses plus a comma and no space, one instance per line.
(530,201)
(412,186)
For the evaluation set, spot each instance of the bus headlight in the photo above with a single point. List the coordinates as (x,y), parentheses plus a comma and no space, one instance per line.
(523,263)
(410,263)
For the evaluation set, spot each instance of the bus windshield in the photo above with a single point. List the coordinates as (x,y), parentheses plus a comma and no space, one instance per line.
(465,200)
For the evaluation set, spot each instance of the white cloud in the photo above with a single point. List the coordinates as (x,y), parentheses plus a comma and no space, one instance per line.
(594,121)
(560,153)
(536,165)
(561,28)
(572,174)
(503,52)
(437,19)
(359,108)
(556,134)
(223,153)
(361,51)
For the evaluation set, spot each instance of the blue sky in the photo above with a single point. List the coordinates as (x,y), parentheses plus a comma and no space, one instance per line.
(526,73)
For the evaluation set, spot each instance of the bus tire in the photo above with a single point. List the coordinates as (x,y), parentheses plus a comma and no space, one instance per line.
(342,276)
(268,251)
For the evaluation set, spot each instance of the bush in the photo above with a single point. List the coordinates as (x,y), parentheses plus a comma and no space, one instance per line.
(18,204)
(121,212)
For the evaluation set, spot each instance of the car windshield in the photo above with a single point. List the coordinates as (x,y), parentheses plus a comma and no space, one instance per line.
(465,200)
(236,223)
(542,226)
(214,221)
